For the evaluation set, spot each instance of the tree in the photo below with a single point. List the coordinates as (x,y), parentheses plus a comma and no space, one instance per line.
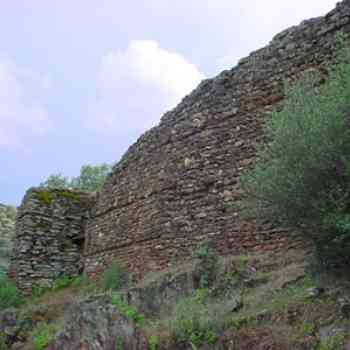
(302,175)
(57,181)
(91,179)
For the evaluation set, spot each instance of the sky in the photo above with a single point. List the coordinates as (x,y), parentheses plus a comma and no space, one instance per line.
(81,80)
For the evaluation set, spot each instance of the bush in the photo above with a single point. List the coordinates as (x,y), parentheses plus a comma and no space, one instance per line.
(115,277)
(3,345)
(91,179)
(207,267)
(9,295)
(128,311)
(302,175)
(44,335)
(153,342)
(195,322)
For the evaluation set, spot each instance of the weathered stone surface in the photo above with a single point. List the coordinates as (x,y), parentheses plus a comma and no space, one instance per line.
(162,293)
(49,236)
(179,184)
(96,324)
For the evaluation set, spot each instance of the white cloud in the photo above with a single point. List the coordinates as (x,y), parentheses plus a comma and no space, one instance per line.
(21,116)
(135,86)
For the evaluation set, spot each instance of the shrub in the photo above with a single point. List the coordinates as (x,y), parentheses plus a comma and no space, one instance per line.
(153,342)
(69,281)
(62,283)
(128,311)
(115,277)
(302,174)
(194,322)
(9,295)
(3,345)
(207,267)
(44,335)
(333,343)
(84,286)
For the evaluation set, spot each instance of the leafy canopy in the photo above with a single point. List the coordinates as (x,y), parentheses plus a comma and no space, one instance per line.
(91,179)
(302,175)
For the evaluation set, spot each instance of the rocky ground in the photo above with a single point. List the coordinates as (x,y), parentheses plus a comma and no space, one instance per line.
(262,302)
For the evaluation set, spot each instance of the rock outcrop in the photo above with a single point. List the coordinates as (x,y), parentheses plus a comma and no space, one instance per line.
(96,324)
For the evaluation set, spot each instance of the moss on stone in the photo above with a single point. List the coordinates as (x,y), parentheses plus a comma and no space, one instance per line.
(45,196)
(70,195)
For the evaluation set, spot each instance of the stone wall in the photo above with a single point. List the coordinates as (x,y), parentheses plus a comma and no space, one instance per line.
(179,184)
(49,236)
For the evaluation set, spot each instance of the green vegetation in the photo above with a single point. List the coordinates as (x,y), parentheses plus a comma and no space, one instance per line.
(9,295)
(302,175)
(7,231)
(153,342)
(119,343)
(44,335)
(333,343)
(208,265)
(45,197)
(78,283)
(3,345)
(128,311)
(194,321)
(285,317)
(115,277)
(63,282)
(91,179)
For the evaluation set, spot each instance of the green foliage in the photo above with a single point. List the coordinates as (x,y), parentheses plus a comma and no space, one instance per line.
(38,290)
(307,328)
(7,231)
(194,322)
(45,197)
(335,342)
(56,181)
(240,322)
(128,311)
(119,344)
(302,175)
(91,179)
(115,277)
(84,286)
(44,335)
(153,342)
(62,283)
(9,295)
(207,267)
(77,282)
(3,345)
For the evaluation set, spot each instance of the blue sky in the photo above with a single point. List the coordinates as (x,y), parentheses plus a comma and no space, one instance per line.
(81,80)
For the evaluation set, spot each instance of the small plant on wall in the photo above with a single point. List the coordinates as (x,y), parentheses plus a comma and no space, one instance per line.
(116,276)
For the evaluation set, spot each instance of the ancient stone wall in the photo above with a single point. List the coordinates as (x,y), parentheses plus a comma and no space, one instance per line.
(179,184)
(49,236)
